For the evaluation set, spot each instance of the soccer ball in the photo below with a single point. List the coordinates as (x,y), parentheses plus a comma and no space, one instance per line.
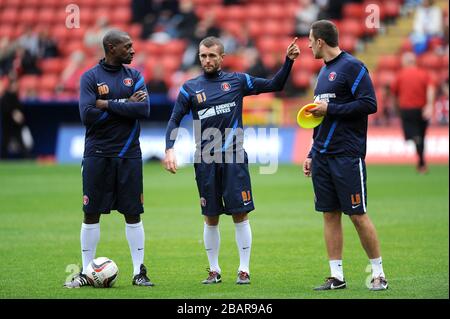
(102,272)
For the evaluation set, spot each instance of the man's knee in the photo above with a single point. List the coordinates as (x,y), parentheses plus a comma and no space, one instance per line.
(239,218)
(91,218)
(332,217)
(358,219)
(132,219)
(211,220)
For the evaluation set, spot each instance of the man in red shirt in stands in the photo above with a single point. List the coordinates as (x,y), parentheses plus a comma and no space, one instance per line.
(415,94)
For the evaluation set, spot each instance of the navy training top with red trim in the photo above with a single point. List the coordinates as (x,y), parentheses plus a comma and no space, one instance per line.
(345,84)
(113,132)
(216,100)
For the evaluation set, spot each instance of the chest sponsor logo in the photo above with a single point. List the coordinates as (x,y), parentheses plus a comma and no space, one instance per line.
(324,97)
(102,88)
(332,76)
(203,114)
(128,82)
(215,110)
(225,86)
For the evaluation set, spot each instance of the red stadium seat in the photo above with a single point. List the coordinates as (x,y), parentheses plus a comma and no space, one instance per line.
(235,13)
(88,17)
(6,31)
(273,28)
(76,34)
(134,30)
(382,78)
(307,63)
(18,31)
(391,9)
(277,11)
(59,32)
(174,47)
(348,43)
(235,63)
(48,82)
(120,15)
(267,44)
(302,79)
(68,47)
(170,63)
(52,65)
(232,27)
(28,82)
(430,60)
(10,4)
(107,4)
(30,3)
(50,3)
(47,16)
(254,28)
(122,3)
(255,12)
(9,16)
(353,11)
(389,62)
(351,27)
(271,60)
(153,48)
(28,16)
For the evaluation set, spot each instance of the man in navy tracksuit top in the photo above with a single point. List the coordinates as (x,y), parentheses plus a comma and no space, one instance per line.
(345,96)
(221,165)
(112,100)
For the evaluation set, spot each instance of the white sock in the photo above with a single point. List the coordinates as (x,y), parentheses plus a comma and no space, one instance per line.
(211,239)
(136,240)
(377,267)
(244,244)
(89,237)
(336,269)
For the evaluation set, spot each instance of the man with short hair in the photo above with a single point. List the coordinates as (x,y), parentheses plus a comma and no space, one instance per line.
(415,95)
(345,96)
(221,164)
(112,100)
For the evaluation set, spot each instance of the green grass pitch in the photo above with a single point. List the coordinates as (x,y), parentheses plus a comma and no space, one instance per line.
(40,209)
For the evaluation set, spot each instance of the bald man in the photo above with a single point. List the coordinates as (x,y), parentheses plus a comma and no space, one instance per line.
(113,99)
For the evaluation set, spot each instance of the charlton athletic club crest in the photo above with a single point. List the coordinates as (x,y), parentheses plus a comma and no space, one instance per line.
(128,82)
(225,86)
(332,76)
(85,200)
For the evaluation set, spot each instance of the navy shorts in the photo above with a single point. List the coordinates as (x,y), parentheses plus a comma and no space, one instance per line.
(224,188)
(413,123)
(111,183)
(339,184)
